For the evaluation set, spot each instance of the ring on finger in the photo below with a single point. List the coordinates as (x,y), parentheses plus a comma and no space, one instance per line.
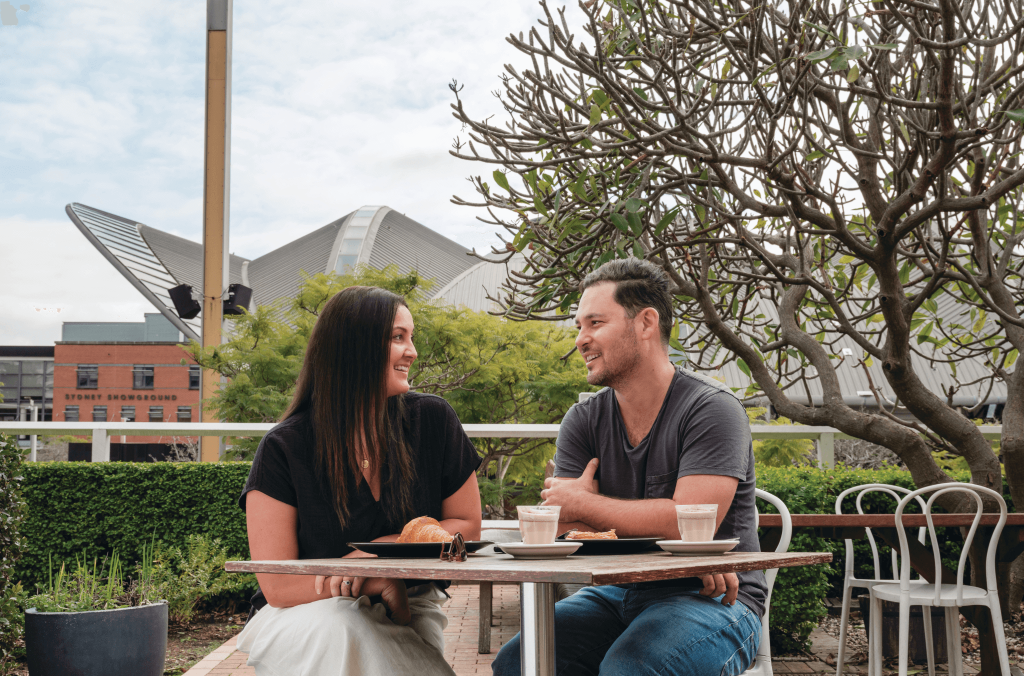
(347,582)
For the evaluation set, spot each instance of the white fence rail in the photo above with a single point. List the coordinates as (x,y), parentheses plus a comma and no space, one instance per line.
(100,432)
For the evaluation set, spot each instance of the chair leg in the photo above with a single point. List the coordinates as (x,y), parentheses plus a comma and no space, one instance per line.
(954,655)
(997,629)
(843,622)
(875,638)
(929,642)
(904,654)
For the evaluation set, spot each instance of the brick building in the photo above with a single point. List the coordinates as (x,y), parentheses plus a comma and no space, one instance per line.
(142,380)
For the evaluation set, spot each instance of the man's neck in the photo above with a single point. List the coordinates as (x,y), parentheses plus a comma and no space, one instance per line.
(646,387)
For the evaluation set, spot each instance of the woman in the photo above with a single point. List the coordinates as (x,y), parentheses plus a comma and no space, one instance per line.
(354,458)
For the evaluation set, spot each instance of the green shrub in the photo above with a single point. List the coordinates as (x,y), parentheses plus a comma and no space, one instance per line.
(11,547)
(190,575)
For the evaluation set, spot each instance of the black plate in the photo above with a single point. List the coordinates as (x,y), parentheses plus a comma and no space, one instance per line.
(412,550)
(620,546)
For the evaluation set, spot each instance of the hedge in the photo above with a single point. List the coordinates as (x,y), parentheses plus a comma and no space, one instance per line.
(11,546)
(86,508)
(89,509)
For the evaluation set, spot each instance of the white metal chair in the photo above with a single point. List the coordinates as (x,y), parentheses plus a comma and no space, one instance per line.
(763,660)
(850,582)
(949,596)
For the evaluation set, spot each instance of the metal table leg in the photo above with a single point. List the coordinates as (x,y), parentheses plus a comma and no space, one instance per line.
(537,621)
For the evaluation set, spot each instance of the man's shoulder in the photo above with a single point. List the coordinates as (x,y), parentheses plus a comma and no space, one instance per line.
(703,386)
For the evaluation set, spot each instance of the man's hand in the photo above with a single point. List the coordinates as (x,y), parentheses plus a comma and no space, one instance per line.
(570,494)
(716,585)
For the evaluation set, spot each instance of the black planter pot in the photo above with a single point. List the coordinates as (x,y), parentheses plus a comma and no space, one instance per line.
(122,642)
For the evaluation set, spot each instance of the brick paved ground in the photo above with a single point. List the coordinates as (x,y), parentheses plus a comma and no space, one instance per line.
(461,641)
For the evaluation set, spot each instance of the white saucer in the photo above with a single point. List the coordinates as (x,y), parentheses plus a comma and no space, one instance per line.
(555,550)
(713,548)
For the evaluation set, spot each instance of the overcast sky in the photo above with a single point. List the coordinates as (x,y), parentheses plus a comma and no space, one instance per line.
(335,106)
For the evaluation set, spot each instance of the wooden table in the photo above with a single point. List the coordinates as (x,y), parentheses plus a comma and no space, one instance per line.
(538,578)
(851,527)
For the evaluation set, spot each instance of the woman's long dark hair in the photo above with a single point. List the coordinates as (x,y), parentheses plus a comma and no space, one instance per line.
(343,386)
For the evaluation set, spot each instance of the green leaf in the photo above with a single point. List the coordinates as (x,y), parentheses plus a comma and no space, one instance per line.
(1011,357)
(665,220)
(903,130)
(980,324)
(635,224)
(855,52)
(840,62)
(869,362)
(846,260)
(501,179)
(620,222)
(876,318)
(595,114)
(886,46)
(815,57)
(743,366)
(638,250)
(725,69)
(539,205)
(632,205)
(1015,115)
(816,155)
(853,74)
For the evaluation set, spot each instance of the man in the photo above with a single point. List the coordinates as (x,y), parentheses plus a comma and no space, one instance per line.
(655,437)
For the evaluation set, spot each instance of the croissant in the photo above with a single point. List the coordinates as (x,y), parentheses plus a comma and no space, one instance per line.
(424,529)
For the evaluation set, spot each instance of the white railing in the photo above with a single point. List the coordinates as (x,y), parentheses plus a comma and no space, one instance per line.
(100,432)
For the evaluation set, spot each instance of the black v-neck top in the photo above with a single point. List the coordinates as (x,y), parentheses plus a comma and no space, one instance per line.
(285,469)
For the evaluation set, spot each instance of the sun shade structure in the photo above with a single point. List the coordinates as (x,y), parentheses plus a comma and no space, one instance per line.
(154,261)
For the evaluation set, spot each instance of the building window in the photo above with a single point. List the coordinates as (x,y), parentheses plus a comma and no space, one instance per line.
(156,414)
(88,376)
(128,413)
(71,414)
(193,377)
(184,414)
(142,377)
(99,414)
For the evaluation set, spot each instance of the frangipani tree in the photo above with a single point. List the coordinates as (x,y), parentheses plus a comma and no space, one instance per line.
(809,173)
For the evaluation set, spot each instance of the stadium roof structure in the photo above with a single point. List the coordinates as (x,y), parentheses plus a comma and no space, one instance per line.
(154,261)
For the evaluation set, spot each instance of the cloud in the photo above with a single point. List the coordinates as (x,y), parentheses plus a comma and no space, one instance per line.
(335,106)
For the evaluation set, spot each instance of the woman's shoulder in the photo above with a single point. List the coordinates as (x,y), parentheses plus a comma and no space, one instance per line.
(419,403)
(291,432)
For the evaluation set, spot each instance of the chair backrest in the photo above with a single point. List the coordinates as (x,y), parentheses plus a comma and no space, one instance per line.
(896,493)
(976,492)
(764,652)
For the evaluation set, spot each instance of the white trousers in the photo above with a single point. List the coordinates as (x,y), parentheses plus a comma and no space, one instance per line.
(348,636)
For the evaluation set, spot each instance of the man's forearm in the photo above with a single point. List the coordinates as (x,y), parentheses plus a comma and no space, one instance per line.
(630,518)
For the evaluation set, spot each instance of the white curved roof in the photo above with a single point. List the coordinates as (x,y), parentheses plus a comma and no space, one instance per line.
(472,288)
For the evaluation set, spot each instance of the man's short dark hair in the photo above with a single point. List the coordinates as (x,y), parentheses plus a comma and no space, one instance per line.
(639,284)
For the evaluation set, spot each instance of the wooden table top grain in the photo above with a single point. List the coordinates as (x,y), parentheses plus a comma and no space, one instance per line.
(594,570)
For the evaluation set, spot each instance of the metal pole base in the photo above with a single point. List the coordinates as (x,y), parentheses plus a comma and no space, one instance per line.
(537,639)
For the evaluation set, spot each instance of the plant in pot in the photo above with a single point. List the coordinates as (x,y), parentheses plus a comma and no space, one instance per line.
(93,620)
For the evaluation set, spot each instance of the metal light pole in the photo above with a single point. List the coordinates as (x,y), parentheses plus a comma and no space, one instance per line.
(216,185)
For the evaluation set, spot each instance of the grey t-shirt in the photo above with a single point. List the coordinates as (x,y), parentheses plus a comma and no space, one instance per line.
(701,429)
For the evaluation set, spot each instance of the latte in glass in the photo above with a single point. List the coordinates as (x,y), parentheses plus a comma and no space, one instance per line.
(538,524)
(696,522)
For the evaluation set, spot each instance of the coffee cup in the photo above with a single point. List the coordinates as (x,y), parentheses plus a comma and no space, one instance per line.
(538,523)
(696,522)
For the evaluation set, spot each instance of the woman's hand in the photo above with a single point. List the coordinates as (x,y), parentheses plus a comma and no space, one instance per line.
(391,590)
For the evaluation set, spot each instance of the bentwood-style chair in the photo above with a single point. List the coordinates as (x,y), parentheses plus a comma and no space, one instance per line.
(763,660)
(851,582)
(949,596)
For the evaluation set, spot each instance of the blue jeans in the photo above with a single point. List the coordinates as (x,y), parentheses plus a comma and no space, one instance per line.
(616,631)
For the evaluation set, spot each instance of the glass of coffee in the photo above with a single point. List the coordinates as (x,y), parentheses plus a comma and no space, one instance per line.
(696,522)
(538,523)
